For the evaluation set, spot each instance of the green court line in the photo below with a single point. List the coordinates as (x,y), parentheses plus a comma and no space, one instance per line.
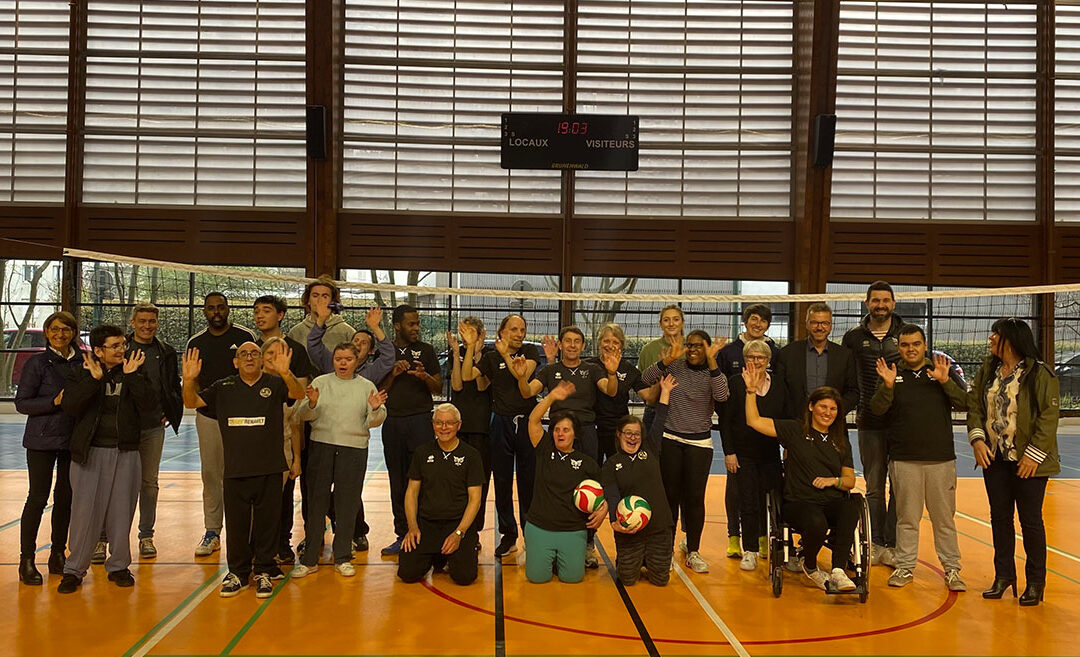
(12,523)
(212,580)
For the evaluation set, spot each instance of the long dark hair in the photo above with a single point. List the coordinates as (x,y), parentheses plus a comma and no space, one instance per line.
(838,429)
(1019,336)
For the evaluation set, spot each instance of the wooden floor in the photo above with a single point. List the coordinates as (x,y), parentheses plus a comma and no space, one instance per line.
(174,608)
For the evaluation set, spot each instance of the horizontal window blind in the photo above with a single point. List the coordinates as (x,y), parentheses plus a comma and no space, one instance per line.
(935,107)
(33,100)
(196,102)
(425,84)
(712,83)
(1067,113)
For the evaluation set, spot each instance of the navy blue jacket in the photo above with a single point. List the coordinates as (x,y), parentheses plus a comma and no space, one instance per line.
(47,427)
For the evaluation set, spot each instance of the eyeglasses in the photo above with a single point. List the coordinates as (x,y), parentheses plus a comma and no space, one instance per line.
(445,423)
(119,346)
(825,324)
(695,345)
(630,434)
(757,357)
(65,330)
(247,354)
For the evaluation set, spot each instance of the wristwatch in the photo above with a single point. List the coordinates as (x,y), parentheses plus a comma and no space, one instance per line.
(459,533)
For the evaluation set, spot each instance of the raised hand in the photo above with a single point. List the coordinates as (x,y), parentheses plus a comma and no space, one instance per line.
(562,391)
(887,372)
(668,383)
(673,353)
(551,347)
(277,362)
(92,365)
(519,367)
(134,361)
(320,308)
(191,364)
(940,373)
(612,359)
(312,396)
(452,345)
(711,350)
(373,318)
(753,376)
(502,346)
(468,333)
(376,399)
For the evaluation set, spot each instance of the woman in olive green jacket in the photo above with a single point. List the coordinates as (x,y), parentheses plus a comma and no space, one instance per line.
(1012,427)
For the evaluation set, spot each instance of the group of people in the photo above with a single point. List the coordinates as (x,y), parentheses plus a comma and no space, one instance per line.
(274,409)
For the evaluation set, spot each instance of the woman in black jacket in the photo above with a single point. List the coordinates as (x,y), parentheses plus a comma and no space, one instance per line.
(47,439)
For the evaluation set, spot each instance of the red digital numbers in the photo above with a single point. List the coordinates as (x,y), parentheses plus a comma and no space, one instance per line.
(573,127)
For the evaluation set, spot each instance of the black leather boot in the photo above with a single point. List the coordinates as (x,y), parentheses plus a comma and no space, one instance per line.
(1033,594)
(998,588)
(28,573)
(57,560)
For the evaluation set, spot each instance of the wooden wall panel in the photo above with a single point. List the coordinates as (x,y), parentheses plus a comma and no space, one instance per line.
(490,244)
(200,236)
(1068,242)
(970,254)
(31,232)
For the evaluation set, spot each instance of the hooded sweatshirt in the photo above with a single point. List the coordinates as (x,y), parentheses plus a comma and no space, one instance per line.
(337,331)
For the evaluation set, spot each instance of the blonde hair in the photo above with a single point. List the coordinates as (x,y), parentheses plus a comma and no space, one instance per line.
(615,330)
(270,342)
(757,347)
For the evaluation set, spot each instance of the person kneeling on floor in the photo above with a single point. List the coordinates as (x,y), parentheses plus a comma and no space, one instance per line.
(441,502)
(635,470)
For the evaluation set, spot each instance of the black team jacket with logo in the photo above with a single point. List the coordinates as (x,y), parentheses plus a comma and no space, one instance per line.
(867,350)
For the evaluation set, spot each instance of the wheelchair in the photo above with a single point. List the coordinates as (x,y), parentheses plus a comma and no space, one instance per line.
(782,547)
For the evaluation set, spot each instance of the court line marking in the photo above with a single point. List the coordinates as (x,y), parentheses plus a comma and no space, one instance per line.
(166,625)
(1019,537)
(12,523)
(500,623)
(711,613)
(639,623)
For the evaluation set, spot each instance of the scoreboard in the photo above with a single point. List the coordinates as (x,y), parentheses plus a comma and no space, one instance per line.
(598,142)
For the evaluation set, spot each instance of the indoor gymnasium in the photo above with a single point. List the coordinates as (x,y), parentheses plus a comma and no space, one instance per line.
(539,327)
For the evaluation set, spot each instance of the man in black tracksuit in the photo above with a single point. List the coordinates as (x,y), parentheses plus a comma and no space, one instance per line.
(876,337)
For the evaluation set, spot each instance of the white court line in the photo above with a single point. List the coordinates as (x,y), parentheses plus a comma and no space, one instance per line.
(180,615)
(711,613)
(1019,537)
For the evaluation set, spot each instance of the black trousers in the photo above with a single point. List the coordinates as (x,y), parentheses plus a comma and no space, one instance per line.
(685,470)
(814,521)
(632,551)
(732,505)
(461,564)
(481,443)
(401,436)
(252,518)
(511,449)
(605,434)
(286,522)
(753,479)
(39,467)
(1007,491)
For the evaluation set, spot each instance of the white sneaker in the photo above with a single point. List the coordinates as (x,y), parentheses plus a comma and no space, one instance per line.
(208,544)
(953,581)
(345,569)
(300,570)
(682,544)
(840,580)
(695,563)
(749,560)
(817,577)
(591,560)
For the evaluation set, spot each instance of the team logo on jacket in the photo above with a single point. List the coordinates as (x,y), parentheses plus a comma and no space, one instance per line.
(620,376)
(502,365)
(431,458)
(618,466)
(415,354)
(265,392)
(459,460)
(575,464)
(643,455)
(558,375)
(900,378)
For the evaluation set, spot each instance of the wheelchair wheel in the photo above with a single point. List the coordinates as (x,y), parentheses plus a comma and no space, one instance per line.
(861,549)
(776,544)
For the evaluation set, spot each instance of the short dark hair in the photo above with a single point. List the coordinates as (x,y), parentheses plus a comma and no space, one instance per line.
(704,335)
(215,294)
(759,309)
(99,334)
(627,420)
(880,286)
(571,329)
(818,307)
(272,300)
(559,416)
(400,312)
(908,329)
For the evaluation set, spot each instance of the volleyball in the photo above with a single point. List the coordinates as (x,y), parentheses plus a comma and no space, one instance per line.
(589,495)
(633,512)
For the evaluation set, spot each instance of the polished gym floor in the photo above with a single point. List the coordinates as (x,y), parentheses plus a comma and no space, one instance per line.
(174,608)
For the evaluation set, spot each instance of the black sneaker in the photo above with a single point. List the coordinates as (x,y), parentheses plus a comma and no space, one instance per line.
(69,584)
(285,557)
(231,586)
(123,578)
(507,546)
(275,573)
(264,588)
(360,544)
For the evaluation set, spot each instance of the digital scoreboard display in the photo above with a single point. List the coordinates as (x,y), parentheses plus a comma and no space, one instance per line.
(596,142)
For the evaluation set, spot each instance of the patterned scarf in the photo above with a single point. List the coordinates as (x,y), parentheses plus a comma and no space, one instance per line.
(1001,400)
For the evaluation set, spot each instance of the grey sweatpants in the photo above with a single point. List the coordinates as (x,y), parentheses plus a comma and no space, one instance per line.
(104,491)
(150,446)
(931,484)
(212,462)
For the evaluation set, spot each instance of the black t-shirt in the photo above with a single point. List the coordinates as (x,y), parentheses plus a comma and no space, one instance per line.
(300,365)
(557,475)
(584,377)
(474,404)
(638,474)
(217,353)
(445,478)
(106,434)
(506,398)
(251,422)
(609,410)
(810,457)
(409,395)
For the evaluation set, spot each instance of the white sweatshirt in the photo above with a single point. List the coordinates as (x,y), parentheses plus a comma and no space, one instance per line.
(342,415)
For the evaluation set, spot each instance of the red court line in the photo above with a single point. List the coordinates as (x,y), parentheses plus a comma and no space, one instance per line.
(945,606)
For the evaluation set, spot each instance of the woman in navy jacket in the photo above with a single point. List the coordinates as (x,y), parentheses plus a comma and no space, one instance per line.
(47,438)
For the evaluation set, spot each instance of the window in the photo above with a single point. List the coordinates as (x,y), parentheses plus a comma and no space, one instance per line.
(29,293)
(712,83)
(935,112)
(196,103)
(425,84)
(1067,113)
(33,100)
